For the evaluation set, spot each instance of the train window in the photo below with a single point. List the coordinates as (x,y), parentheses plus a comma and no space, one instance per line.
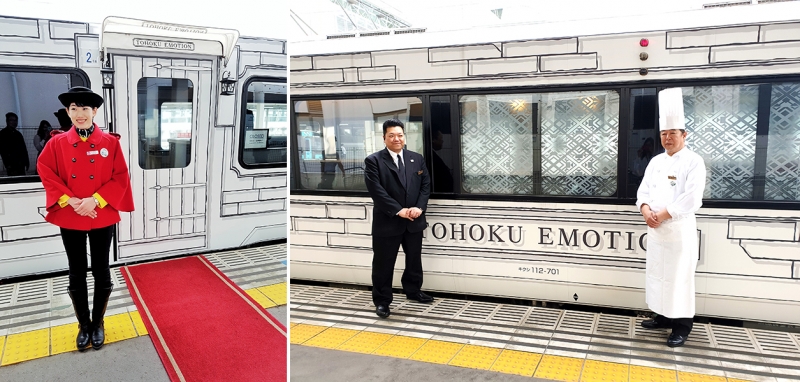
(540,144)
(165,111)
(29,107)
(441,161)
(721,122)
(334,137)
(783,145)
(266,124)
(643,137)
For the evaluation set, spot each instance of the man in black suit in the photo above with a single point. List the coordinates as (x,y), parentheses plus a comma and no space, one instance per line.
(399,184)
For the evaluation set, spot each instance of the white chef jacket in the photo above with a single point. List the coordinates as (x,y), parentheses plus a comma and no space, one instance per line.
(675,183)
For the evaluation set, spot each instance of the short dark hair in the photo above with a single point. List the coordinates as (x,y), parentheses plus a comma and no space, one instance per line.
(81,104)
(10,114)
(393,122)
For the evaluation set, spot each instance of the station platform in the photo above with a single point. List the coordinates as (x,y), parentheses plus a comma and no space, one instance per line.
(37,320)
(544,343)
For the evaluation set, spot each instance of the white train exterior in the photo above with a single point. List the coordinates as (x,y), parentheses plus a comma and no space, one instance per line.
(563,228)
(205,173)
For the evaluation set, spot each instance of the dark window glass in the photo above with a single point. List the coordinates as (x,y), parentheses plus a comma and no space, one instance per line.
(441,161)
(165,110)
(644,141)
(266,124)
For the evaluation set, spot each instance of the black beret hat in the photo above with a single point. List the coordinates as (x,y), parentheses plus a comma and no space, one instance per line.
(81,95)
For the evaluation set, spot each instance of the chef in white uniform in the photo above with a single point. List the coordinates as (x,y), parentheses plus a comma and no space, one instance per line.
(669,195)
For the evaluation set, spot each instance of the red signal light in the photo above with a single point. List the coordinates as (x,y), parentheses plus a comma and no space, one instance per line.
(644,42)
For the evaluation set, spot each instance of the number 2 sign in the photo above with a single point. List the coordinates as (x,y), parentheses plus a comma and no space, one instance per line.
(89,58)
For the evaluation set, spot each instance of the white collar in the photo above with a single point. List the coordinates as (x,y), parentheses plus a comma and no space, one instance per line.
(394,154)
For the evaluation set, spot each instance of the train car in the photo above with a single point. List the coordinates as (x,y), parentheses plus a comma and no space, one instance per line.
(537,136)
(203,122)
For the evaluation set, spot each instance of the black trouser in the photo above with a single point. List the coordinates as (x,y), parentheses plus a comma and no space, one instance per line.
(680,326)
(384,255)
(99,246)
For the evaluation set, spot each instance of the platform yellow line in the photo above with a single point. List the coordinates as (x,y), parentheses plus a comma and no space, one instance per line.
(486,358)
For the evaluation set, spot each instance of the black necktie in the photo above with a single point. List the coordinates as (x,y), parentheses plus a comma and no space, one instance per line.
(402,170)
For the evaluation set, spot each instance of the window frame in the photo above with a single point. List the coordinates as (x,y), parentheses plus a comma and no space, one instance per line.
(243,118)
(621,197)
(45,70)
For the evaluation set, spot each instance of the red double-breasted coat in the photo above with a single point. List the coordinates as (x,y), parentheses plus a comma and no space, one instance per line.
(72,167)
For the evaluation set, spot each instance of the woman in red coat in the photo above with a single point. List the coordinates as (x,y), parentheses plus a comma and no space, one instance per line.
(86,180)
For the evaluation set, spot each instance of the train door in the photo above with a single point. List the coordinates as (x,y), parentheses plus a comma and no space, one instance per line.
(163,81)
(163,113)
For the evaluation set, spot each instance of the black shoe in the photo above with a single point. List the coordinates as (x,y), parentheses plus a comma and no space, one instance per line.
(676,340)
(80,303)
(382,311)
(655,324)
(98,336)
(100,303)
(420,297)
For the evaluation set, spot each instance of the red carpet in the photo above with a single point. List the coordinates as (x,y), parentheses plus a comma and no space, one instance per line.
(204,327)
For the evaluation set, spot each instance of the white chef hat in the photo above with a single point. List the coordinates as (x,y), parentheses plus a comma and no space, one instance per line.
(670,109)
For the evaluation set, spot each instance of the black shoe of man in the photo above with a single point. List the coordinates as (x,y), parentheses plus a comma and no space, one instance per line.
(382,311)
(655,323)
(420,297)
(676,340)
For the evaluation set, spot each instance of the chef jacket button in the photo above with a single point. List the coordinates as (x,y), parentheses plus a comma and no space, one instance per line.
(73,159)
(74,145)
(91,160)
(73,176)
(92,146)
(91,176)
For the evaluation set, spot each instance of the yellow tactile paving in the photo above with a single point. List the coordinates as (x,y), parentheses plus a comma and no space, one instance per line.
(476,357)
(275,292)
(26,346)
(62,338)
(651,374)
(597,371)
(516,362)
(365,342)
(136,317)
(694,377)
(302,333)
(331,338)
(559,368)
(2,344)
(440,352)
(400,347)
(118,327)
(262,300)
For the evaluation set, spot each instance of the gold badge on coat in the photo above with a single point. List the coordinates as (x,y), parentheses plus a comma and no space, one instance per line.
(419,172)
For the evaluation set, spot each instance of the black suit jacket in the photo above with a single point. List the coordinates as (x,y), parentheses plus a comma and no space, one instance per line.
(389,196)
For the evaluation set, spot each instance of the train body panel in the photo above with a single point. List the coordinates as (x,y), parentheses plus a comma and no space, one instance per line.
(558,252)
(196,188)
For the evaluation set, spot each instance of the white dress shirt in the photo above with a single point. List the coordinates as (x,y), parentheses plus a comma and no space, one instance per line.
(395,155)
(673,182)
